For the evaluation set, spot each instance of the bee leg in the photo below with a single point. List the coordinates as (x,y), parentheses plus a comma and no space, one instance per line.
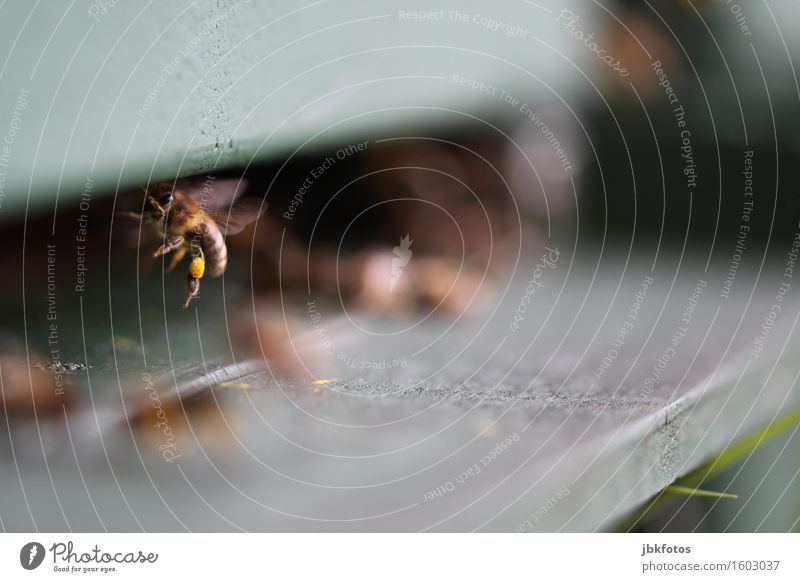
(169,245)
(176,258)
(156,206)
(192,289)
(131,215)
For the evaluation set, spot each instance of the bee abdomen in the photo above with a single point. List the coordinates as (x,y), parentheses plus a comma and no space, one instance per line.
(216,254)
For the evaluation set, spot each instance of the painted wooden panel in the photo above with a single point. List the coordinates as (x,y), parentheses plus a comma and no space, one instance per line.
(102,92)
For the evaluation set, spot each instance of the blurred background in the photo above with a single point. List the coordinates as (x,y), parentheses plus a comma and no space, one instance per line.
(416,163)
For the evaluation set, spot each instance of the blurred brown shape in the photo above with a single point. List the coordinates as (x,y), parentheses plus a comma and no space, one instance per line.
(427,282)
(174,421)
(449,201)
(32,390)
(632,40)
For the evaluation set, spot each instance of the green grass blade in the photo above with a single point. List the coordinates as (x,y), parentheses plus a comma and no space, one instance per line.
(691,491)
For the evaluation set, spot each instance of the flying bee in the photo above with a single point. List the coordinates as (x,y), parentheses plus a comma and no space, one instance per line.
(195,217)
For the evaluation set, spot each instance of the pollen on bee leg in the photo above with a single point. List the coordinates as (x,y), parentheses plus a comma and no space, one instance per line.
(197,267)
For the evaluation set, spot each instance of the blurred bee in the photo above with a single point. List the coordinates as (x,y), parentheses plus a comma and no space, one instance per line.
(195,217)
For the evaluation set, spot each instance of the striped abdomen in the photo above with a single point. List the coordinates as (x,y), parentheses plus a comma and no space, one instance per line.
(213,243)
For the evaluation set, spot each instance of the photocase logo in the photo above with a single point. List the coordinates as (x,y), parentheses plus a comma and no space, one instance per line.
(400,260)
(31,555)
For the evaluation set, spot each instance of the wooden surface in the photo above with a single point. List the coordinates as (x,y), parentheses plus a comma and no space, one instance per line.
(483,429)
(166,89)
(489,427)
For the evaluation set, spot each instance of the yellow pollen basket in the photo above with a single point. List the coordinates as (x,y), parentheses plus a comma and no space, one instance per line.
(197,267)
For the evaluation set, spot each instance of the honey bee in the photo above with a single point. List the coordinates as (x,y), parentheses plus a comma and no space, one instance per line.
(195,217)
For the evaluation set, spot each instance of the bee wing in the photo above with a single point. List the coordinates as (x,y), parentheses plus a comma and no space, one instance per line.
(214,194)
(233,220)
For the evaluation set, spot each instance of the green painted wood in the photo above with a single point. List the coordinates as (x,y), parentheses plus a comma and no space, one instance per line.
(487,429)
(103,92)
